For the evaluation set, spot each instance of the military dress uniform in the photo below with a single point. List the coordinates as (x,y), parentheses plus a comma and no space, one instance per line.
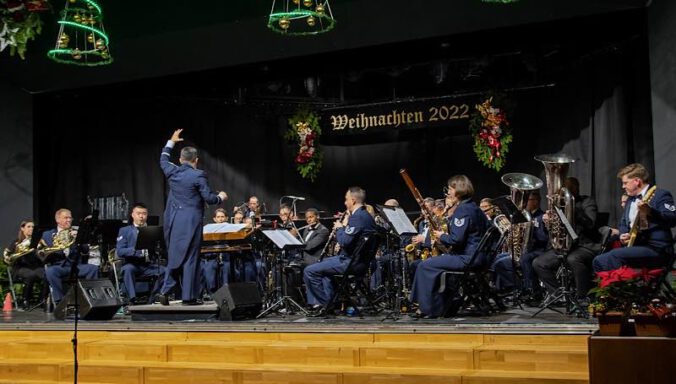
(466,227)
(135,262)
(60,268)
(188,192)
(654,245)
(317,276)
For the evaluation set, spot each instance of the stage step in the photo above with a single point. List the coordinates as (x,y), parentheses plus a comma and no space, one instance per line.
(258,357)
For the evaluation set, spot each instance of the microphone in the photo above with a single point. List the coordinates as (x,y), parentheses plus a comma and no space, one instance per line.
(296,198)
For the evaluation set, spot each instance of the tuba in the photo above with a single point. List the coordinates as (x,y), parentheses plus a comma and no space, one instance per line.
(520,186)
(559,200)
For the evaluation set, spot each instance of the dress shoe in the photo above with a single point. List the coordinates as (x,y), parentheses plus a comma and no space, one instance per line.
(163,299)
(192,302)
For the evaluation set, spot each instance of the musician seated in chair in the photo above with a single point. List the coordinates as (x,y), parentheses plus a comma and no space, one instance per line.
(466,227)
(58,252)
(315,235)
(23,262)
(579,257)
(650,216)
(317,276)
(137,262)
(503,267)
(209,262)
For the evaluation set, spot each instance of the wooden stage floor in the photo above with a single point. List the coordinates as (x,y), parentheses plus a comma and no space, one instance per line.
(508,348)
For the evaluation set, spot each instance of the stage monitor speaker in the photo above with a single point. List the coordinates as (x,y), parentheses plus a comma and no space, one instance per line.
(238,301)
(97,300)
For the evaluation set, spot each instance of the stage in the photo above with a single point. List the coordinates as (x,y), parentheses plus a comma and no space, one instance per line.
(510,347)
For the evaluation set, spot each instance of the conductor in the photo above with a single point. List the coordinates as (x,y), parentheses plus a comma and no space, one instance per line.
(188,191)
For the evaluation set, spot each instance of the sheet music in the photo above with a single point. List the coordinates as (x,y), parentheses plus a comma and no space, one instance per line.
(223,228)
(282,238)
(401,223)
(566,223)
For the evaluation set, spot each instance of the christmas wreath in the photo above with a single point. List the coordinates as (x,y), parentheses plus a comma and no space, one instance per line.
(491,132)
(19,23)
(304,129)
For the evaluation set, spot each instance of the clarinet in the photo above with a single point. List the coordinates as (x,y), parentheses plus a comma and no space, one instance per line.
(331,236)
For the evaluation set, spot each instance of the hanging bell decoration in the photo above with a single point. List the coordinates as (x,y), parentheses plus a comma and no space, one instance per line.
(301,17)
(82,39)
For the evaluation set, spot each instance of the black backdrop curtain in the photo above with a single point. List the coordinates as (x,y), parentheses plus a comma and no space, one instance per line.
(107,142)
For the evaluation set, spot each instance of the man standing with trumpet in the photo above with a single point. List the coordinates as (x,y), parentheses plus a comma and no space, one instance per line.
(649,214)
(188,192)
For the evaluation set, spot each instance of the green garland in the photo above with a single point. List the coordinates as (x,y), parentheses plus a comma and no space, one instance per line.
(304,129)
(491,132)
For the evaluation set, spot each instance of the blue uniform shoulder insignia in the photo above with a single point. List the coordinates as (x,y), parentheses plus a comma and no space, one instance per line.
(120,238)
(349,230)
(669,207)
(536,224)
(459,222)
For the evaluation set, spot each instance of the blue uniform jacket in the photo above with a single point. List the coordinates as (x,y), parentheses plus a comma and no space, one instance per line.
(48,240)
(126,245)
(540,235)
(661,219)
(188,192)
(428,238)
(465,227)
(359,223)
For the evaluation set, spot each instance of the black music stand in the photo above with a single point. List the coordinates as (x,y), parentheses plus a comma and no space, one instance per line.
(509,209)
(515,217)
(283,242)
(89,229)
(563,292)
(401,225)
(151,238)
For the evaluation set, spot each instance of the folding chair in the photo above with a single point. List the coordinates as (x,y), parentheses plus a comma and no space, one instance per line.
(350,286)
(471,286)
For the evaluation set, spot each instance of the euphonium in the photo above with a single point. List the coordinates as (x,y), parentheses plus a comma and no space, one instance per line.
(520,186)
(559,199)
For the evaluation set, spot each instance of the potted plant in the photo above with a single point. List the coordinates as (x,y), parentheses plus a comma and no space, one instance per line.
(621,294)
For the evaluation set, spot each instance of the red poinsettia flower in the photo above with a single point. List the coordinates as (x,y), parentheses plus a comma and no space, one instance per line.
(647,275)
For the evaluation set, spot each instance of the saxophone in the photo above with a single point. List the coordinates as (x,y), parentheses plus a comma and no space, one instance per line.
(61,240)
(559,200)
(520,185)
(22,249)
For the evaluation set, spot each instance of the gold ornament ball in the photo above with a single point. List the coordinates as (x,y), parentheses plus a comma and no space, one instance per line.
(100,44)
(105,55)
(76,54)
(307,3)
(90,37)
(311,21)
(284,23)
(296,2)
(63,44)
(77,18)
(319,9)
(72,1)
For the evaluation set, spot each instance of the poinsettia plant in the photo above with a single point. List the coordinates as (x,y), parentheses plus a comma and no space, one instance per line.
(491,132)
(304,129)
(20,22)
(624,290)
